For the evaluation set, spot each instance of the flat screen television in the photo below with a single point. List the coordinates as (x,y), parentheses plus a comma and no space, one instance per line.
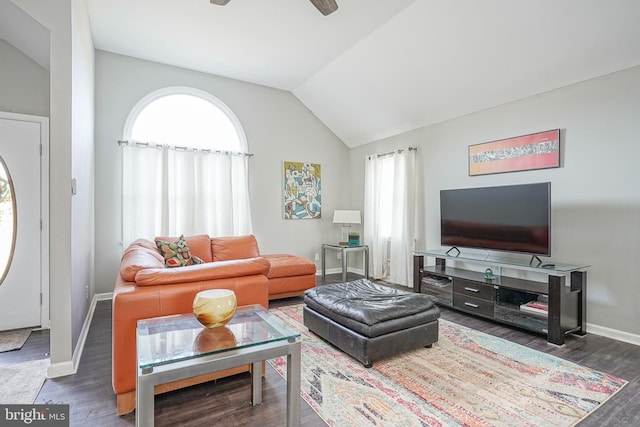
(513,218)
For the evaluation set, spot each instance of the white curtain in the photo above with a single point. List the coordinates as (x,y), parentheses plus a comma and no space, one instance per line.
(169,191)
(390,215)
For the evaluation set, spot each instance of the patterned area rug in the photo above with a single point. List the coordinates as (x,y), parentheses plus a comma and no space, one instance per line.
(14,339)
(468,378)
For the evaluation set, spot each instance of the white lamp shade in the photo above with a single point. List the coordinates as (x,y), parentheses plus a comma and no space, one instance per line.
(346,217)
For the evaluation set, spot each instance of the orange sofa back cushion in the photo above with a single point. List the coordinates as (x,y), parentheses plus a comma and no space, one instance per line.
(236,247)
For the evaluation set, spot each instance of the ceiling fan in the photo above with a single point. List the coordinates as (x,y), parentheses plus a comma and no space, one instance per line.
(324,6)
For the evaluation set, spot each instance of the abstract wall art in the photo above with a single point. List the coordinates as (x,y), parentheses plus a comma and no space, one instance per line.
(302,190)
(535,151)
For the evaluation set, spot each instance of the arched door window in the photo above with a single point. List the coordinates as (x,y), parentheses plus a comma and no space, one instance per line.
(185,167)
(7,220)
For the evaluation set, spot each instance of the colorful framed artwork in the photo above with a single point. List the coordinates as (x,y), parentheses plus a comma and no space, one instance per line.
(302,190)
(535,151)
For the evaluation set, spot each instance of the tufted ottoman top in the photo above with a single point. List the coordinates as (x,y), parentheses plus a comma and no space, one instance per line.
(369,308)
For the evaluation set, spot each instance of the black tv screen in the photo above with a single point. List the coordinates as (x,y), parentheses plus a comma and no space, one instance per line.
(514,218)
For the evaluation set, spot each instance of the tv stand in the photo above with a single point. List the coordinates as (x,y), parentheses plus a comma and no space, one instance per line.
(554,308)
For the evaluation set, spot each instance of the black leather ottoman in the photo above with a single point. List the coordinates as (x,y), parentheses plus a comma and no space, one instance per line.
(370,321)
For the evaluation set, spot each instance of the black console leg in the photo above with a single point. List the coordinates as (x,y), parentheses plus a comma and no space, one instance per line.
(579,283)
(418,265)
(554,323)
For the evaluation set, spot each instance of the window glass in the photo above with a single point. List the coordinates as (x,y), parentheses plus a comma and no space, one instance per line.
(185,117)
(7,221)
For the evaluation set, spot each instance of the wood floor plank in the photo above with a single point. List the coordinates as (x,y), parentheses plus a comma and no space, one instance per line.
(92,402)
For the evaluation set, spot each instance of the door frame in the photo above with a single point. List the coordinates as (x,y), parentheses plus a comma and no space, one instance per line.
(45,321)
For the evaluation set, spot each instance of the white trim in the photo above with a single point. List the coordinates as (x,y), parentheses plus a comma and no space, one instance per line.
(61,369)
(338,270)
(107,296)
(184,90)
(45,316)
(70,367)
(613,334)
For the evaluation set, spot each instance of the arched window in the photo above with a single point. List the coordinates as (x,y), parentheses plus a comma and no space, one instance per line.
(185,168)
(174,115)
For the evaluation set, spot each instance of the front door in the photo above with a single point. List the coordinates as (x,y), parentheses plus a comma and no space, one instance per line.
(21,290)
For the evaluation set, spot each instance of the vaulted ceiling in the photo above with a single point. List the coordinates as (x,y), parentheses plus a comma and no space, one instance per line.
(377,68)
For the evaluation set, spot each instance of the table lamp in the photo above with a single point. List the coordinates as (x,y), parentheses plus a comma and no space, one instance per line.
(346,218)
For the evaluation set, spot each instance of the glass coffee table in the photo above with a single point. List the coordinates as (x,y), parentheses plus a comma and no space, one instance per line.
(177,347)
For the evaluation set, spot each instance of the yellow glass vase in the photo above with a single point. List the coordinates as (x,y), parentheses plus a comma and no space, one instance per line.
(214,307)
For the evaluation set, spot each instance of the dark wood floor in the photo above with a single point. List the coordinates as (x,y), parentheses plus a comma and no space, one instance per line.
(92,402)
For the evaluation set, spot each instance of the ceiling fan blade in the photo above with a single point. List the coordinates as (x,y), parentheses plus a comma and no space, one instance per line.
(325,6)
(219,2)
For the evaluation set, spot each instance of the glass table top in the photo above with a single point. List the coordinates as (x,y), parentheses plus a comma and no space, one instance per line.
(170,339)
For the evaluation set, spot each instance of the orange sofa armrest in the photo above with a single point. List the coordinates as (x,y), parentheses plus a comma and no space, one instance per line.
(138,257)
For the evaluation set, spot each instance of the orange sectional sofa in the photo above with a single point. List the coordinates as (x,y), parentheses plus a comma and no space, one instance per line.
(145,288)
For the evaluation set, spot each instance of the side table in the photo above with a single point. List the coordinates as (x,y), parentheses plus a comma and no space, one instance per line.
(344,250)
(172,348)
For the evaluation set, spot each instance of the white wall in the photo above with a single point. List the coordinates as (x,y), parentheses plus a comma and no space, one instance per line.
(24,84)
(595,194)
(278,128)
(71,135)
(82,160)
(56,17)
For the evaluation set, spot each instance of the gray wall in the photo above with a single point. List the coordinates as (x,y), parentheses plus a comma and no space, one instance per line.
(595,194)
(24,84)
(278,128)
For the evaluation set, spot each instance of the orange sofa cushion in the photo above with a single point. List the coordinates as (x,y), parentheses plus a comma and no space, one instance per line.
(199,272)
(282,265)
(236,247)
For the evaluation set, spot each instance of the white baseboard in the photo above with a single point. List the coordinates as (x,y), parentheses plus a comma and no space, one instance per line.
(61,369)
(613,333)
(70,367)
(338,270)
(107,296)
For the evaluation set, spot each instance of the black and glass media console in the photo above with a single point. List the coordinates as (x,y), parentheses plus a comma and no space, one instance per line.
(553,303)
